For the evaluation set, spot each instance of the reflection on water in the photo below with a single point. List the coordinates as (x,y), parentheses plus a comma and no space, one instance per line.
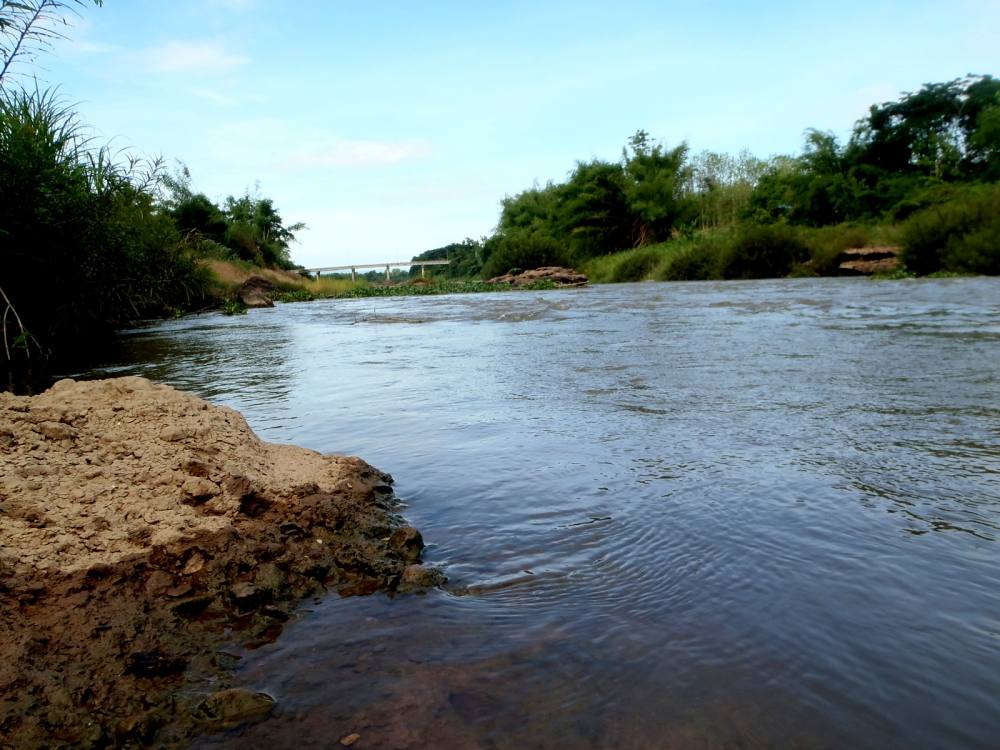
(757,514)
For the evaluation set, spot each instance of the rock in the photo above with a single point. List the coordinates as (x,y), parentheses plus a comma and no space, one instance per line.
(256,292)
(238,486)
(198,490)
(407,542)
(57,430)
(868,260)
(246,595)
(158,582)
(194,563)
(556,274)
(138,728)
(154,663)
(226,709)
(271,579)
(420,577)
(173,434)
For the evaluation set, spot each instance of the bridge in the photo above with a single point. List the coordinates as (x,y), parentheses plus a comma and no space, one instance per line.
(353,268)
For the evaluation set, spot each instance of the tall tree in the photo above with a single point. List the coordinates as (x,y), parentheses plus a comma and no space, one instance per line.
(655,178)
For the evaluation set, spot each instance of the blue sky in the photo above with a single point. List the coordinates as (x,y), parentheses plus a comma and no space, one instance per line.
(394,127)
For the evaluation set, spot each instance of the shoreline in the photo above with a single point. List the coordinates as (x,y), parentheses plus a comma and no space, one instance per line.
(146,534)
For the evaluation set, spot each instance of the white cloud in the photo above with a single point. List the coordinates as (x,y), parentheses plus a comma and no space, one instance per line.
(359,153)
(228,100)
(194,56)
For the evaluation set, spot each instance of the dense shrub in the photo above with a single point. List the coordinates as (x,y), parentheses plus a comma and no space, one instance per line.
(691,264)
(826,244)
(762,252)
(523,249)
(85,248)
(696,258)
(629,265)
(962,235)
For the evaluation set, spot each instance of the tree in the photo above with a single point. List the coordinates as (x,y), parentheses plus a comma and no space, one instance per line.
(257,232)
(655,178)
(721,186)
(593,212)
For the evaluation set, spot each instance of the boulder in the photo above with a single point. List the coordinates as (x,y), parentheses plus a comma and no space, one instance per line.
(556,274)
(256,292)
(868,260)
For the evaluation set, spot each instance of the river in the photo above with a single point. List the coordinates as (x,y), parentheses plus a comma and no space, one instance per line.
(705,515)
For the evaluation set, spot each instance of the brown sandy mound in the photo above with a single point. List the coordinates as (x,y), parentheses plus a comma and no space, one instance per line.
(141,529)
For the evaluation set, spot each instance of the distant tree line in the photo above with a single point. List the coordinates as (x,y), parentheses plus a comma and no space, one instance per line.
(925,166)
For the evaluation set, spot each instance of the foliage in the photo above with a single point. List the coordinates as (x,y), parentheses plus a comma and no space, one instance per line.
(247,228)
(629,265)
(762,252)
(87,225)
(297,295)
(654,187)
(716,216)
(443,286)
(722,185)
(523,249)
(694,259)
(961,235)
(466,260)
(233,307)
(601,208)
(943,134)
(28,27)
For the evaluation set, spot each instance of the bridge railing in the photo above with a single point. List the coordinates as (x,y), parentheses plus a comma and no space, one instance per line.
(353,268)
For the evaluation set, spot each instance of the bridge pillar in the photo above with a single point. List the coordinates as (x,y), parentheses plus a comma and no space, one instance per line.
(387,274)
(354,275)
(423,272)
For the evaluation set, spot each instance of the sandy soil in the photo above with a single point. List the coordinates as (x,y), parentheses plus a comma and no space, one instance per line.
(144,535)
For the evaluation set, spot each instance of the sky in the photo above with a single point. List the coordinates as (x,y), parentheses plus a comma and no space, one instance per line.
(390,128)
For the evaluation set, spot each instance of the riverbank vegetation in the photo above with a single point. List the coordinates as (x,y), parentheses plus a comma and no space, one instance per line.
(91,239)
(920,173)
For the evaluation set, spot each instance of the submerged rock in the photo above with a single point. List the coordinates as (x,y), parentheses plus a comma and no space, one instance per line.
(227,709)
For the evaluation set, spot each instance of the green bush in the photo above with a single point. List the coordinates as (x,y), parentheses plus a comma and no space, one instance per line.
(962,235)
(524,249)
(826,244)
(629,265)
(696,259)
(84,249)
(762,252)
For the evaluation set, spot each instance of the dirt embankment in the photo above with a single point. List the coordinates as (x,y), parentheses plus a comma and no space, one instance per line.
(146,535)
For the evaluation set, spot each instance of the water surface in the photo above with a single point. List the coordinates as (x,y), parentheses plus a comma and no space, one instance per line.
(706,515)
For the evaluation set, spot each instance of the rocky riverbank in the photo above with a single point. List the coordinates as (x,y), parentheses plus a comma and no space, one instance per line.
(146,536)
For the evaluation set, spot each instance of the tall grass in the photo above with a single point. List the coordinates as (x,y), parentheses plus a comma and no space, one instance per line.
(637,264)
(84,248)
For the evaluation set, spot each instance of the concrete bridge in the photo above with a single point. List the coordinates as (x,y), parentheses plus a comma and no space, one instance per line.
(353,268)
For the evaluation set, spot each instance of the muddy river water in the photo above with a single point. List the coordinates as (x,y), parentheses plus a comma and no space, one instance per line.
(760,514)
